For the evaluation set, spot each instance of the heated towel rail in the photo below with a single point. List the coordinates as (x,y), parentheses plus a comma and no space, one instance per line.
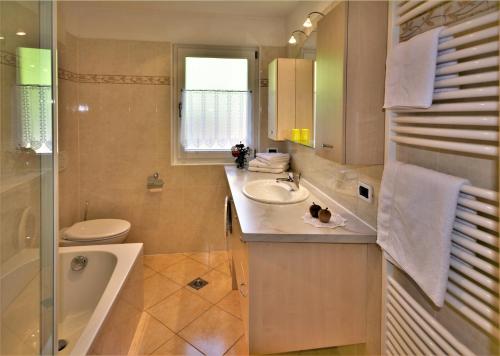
(463,120)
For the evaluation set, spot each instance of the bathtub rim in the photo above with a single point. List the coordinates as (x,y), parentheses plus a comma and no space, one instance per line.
(127,256)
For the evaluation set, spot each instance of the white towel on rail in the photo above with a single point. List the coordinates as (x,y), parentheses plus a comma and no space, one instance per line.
(416,212)
(411,71)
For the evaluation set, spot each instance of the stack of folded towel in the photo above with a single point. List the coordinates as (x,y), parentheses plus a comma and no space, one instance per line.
(269,163)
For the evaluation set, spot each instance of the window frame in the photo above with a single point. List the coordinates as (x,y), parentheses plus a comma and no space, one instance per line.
(180,52)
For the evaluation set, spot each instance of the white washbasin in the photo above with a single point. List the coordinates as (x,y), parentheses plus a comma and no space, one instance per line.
(271,192)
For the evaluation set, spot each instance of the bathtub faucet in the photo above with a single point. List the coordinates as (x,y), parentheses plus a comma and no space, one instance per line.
(78,263)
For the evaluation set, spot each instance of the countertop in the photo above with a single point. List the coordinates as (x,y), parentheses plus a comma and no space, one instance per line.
(283,223)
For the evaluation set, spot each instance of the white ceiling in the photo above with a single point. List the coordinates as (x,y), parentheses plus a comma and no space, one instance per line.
(259,8)
(223,22)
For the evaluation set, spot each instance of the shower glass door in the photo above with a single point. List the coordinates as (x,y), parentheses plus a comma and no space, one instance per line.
(27,178)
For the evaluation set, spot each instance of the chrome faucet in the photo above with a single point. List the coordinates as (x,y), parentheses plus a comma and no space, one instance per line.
(293,180)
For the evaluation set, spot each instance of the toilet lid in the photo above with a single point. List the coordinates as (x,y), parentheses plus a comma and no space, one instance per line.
(96,229)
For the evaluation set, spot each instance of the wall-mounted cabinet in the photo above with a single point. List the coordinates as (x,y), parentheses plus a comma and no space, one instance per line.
(291,97)
(351,52)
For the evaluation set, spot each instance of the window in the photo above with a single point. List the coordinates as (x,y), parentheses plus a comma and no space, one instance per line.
(34,99)
(214,87)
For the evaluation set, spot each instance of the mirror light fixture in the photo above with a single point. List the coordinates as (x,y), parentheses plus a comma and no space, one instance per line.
(21,33)
(292,39)
(308,22)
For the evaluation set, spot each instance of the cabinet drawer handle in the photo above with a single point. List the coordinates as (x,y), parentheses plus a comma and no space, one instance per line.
(228,222)
(243,285)
(325,145)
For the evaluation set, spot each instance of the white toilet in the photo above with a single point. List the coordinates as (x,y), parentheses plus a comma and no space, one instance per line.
(95,232)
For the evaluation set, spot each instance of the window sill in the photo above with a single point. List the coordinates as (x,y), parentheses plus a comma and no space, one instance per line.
(194,150)
(204,162)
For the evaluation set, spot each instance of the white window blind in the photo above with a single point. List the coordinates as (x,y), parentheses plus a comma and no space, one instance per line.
(215,120)
(216,104)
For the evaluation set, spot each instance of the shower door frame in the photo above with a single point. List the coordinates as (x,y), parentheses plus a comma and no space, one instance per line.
(49,197)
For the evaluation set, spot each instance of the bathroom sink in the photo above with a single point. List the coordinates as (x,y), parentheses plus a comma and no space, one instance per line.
(271,192)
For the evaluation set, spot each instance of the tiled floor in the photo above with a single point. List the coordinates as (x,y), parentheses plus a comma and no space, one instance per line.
(179,320)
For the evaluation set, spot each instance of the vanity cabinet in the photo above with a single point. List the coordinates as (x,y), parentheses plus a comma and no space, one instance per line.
(300,296)
(290,97)
(351,53)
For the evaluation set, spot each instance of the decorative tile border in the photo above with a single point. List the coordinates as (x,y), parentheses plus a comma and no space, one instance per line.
(67,75)
(113,79)
(8,58)
(264,83)
(442,15)
(123,79)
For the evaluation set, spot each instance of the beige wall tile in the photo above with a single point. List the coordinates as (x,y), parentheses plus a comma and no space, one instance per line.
(68,135)
(143,58)
(103,56)
(123,137)
(338,181)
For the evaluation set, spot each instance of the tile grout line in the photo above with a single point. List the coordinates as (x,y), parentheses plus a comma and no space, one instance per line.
(217,304)
(237,340)
(199,316)
(167,296)
(212,304)
(191,344)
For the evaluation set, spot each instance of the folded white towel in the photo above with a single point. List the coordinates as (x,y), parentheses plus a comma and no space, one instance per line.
(273,157)
(276,161)
(267,170)
(264,164)
(411,70)
(415,218)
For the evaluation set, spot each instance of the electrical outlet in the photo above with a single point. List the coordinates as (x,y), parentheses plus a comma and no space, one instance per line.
(365,192)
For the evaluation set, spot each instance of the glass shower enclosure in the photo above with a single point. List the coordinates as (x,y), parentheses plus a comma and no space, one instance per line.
(28,176)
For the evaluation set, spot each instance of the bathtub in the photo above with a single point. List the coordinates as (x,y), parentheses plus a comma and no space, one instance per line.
(100,306)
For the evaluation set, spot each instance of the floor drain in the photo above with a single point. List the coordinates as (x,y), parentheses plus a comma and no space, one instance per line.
(197,283)
(61,344)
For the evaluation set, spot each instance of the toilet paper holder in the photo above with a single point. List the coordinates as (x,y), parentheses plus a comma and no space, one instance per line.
(155,183)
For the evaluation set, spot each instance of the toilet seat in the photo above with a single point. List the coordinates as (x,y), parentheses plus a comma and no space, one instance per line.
(96,230)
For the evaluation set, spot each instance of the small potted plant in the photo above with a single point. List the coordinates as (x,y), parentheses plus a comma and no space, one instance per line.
(240,152)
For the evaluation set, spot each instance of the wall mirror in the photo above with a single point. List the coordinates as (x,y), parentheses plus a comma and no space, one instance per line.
(291,110)
(308,48)
(329,92)
(307,51)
